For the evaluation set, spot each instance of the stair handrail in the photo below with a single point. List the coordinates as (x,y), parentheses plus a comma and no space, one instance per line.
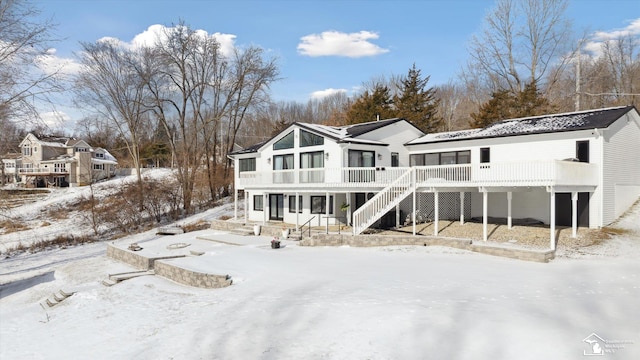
(384,197)
(302,227)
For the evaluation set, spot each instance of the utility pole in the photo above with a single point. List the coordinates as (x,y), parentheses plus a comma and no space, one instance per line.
(578,78)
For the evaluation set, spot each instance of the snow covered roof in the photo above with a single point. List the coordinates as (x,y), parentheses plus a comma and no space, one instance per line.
(581,120)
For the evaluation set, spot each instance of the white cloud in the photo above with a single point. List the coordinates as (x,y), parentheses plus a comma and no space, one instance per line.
(50,63)
(158,32)
(56,120)
(326,92)
(599,38)
(334,43)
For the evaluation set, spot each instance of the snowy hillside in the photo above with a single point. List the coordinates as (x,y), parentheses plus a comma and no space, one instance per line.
(326,303)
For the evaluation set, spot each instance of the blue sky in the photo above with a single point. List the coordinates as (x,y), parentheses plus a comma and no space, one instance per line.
(393,35)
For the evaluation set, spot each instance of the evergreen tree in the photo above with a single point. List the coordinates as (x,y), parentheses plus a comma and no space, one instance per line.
(417,103)
(507,105)
(370,106)
(499,107)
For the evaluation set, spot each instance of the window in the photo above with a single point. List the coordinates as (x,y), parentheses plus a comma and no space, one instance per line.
(292,203)
(100,155)
(283,162)
(485,155)
(309,139)
(361,158)
(26,150)
(416,160)
(444,158)
(257,203)
(98,166)
(247,164)
(395,159)
(312,160)
(285,143)
(464,157)
(432,159)
(60,167)
(35,149)
(319,203)
(582,151)
(81,149)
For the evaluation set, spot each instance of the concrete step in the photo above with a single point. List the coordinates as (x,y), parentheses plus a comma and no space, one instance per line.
(127,275)
(55,299)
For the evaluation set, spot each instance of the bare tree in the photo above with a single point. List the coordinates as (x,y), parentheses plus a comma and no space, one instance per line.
(178,71)
(251,75)
(111,85)
(23,84)
(520,42)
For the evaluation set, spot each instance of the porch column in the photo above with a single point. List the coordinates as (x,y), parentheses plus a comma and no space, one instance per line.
(509,198)
(485,198)
(297,201)
(265,208)
(574,214)
(235,204)
(435,212)
(461,208)
(397,216)
(552,220)
(326,210)
(246,207)
(413,213)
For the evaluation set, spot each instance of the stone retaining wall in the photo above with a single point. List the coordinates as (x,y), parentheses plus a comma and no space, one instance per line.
(382,240)
(391,240)
(190,277)
(134,259)
(225,225)
(520,254)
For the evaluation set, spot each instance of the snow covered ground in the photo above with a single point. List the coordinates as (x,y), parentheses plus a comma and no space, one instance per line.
(327,303)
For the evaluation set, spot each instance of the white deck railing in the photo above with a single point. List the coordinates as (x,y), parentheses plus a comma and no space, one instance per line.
(42,170)
(529,173)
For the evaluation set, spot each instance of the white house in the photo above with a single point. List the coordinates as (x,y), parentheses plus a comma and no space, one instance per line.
(63,162)
(11,163)
(572,169)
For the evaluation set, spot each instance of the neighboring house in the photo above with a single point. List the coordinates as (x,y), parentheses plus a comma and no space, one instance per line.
(63,162)
(573,169)
(11,163)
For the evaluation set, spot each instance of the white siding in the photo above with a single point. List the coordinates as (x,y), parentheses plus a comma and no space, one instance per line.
(396,135)
(553,146)
(621,171)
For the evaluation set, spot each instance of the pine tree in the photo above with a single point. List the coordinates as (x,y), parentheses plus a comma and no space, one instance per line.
(417,103)
(507,105)
(370,106)
(499,107)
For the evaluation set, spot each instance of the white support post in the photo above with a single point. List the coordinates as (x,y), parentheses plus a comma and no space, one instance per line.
(265,207)
(485,198)
(246,207)
(436,215)
(297,200)
(574,214)
(509,198)
(397,216)
(326,210)
(413,214)
(461,208)
(552,220)
(235,204)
